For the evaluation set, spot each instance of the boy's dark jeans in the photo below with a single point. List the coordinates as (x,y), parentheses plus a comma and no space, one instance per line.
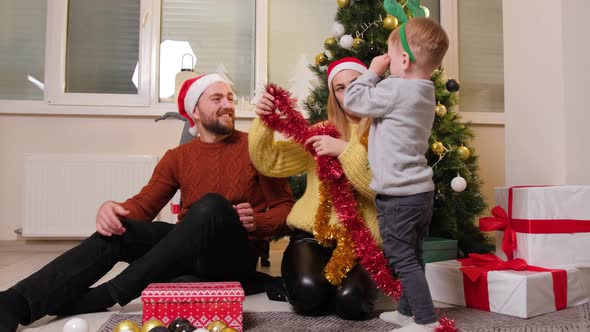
(403,224)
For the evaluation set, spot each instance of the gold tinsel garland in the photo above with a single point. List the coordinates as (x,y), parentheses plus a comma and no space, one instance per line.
(343,258)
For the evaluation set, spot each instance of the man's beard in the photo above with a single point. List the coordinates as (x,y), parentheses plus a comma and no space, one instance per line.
(215,127)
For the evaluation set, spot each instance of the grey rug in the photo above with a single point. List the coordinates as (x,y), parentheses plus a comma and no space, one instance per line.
(576,319)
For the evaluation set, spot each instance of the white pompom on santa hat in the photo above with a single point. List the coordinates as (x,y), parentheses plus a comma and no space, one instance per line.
(189,95)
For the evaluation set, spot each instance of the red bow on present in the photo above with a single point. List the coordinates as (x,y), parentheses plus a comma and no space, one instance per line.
(501,222)
(477,264)
(475,270)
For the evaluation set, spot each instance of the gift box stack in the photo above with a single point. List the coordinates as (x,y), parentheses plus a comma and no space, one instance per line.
(201,303)
(543,255)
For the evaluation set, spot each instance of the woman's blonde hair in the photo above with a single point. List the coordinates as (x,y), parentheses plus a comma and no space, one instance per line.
(337,116)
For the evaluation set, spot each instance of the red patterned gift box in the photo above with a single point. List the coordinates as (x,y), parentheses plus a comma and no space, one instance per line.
(199,302)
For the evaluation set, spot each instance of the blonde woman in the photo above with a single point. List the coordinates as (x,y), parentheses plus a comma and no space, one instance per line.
(304,260)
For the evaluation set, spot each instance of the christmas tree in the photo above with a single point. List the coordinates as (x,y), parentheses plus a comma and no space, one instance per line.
(361,29)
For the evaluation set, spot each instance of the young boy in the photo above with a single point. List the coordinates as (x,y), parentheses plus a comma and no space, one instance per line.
(402,106)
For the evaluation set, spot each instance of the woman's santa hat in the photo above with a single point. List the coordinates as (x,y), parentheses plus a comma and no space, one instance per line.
(345,63)
(189,95)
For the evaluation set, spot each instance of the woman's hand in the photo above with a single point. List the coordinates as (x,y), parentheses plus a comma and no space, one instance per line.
(325,145)
(265,105)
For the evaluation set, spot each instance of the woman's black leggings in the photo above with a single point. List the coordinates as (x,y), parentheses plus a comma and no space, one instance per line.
(311,294)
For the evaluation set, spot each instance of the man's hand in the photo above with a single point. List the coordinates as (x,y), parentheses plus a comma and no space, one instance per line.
(325,145)
(246,216)
(379,64)
(107,219)
(265,105)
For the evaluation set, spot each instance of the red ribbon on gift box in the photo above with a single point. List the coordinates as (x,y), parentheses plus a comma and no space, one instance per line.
(503,221)
(475,270)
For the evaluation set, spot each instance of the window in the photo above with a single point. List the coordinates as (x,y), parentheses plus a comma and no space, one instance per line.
(100,52)
(22,54)
(218,35)
(100,58)
(481,59)
(476,57)
(102,47)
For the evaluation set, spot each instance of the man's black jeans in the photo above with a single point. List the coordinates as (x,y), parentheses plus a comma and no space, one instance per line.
(210,243)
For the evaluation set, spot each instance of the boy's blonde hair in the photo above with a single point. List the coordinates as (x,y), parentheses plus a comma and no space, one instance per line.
(427,40)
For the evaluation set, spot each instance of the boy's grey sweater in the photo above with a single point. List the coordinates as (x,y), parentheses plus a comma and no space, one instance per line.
(403,114)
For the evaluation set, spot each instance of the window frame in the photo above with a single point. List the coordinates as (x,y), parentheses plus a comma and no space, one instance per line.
(55,62)
(146,103)
(449,19)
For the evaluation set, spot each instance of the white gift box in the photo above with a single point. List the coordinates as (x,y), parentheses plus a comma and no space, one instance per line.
(522,294)
(540,207)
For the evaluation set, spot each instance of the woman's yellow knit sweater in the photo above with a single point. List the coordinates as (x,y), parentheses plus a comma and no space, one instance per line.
(287,158)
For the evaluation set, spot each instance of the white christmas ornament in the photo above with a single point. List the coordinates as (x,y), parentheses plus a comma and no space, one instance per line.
(458,184)
(76,325)
(337,30)
(200,329)
(346,42)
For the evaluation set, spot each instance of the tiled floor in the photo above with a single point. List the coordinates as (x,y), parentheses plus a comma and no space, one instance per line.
(18,259)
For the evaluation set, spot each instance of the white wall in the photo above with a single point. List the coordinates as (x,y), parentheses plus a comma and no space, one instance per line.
(546,76)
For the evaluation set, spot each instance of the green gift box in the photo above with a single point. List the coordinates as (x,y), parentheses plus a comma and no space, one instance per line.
(437,249)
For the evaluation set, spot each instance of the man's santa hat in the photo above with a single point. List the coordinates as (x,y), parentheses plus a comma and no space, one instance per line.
(345,63)
(189,95)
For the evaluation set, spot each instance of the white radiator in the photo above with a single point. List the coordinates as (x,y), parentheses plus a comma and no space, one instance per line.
(64,192)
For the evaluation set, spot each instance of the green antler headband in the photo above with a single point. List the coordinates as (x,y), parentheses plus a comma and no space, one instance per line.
(404,40)
(393,8)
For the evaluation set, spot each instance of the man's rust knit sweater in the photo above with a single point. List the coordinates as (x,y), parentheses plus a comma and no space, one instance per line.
(198,168)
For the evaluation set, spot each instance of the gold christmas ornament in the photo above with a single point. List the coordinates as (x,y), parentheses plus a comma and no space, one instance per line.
(343,3)
(321,59)
(126,325)
(330,42)
(228,329)
(440,110)
(438,148)
(357,42)
(216,326)
(150,324)
(390,22)
(463,152)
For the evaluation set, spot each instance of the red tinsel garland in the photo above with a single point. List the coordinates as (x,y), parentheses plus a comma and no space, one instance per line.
(446,325)
(292,124)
